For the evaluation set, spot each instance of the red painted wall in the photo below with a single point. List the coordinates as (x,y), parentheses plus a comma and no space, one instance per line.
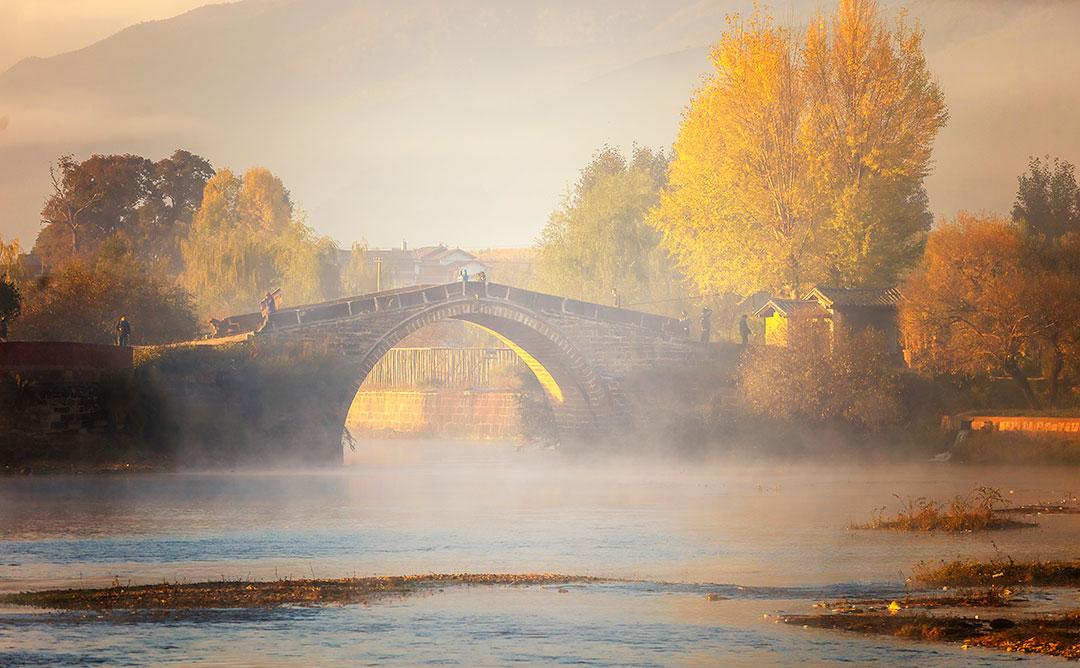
(31,355)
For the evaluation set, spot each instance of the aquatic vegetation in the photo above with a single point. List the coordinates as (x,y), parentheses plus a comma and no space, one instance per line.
(262,594)
(999,573)
(974,511)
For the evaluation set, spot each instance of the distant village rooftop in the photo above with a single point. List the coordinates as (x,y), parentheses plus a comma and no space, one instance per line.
(406,267)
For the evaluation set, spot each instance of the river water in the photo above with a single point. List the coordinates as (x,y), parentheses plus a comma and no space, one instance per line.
(770,539)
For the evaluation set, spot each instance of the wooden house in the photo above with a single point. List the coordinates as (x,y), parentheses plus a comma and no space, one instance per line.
(829,309)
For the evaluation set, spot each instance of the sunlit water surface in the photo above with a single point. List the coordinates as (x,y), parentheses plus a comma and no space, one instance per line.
(768,538)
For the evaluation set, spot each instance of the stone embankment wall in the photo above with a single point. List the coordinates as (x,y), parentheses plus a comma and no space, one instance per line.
(53,397)
(462,414)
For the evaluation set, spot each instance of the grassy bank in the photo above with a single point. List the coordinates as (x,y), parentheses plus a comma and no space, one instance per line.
(262,594)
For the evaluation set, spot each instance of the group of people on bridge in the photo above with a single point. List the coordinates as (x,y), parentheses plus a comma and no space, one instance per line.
(706,326)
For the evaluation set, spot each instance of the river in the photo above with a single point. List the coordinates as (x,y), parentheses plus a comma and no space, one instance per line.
(767,538)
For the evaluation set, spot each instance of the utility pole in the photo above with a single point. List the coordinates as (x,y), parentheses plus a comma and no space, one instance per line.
(378,274)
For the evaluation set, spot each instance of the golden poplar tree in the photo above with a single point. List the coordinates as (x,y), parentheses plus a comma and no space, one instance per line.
(801,159)
(874,112)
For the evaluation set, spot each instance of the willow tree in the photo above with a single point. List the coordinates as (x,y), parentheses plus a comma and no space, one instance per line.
(246,239)
(801,159)
(597,240)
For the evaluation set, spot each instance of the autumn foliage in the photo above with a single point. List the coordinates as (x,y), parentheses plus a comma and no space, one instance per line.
(988,298)
(245,239)
(801,159)
(83,300)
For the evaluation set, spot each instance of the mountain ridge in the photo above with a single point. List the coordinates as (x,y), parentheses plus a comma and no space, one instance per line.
(464,120)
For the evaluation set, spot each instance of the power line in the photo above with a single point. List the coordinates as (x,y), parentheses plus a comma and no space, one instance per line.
(675,299)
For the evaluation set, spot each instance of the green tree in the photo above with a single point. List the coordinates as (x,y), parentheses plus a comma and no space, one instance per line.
(598,241)
(83,300)
(801,159)
(149,203)
(165,217)
(1048,198)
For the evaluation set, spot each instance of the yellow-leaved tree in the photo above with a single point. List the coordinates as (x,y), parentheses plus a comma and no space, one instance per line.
(801,159)
(246,240)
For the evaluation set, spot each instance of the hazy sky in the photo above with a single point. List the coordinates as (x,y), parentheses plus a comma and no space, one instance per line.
(49,27)
(464,121)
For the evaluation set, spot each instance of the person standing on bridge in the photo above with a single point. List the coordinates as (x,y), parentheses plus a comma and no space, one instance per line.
(268,306)
(706,324)
(464,273)
(744,330)
(123,331)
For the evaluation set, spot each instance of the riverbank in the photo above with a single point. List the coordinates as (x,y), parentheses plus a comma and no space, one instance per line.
(262,594)
(1005,588)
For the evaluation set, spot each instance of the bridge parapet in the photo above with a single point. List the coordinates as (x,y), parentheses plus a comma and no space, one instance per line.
(405,299)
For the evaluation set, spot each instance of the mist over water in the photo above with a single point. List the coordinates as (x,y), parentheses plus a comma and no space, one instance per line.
(767,537)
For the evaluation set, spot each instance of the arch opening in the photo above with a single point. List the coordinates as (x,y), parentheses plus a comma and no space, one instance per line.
(577,399)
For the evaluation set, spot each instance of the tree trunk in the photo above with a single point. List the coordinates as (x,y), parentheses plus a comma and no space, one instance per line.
(793,269)
(1057,364)
(74,240)
(1017,374)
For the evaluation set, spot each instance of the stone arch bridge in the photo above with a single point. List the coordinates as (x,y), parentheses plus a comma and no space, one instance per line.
(579,351)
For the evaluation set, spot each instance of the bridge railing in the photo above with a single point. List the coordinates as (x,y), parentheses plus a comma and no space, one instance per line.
(404,298)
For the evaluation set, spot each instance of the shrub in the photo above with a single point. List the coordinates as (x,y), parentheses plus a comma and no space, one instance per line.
(849,379)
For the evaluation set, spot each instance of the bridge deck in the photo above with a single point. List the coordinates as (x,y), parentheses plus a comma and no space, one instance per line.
(403,298)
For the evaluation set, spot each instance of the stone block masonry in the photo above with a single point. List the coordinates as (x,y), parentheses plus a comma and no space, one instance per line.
(455,414)
(53,399)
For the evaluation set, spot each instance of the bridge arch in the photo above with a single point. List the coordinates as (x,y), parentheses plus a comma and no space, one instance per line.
(579,399)
(579,351)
